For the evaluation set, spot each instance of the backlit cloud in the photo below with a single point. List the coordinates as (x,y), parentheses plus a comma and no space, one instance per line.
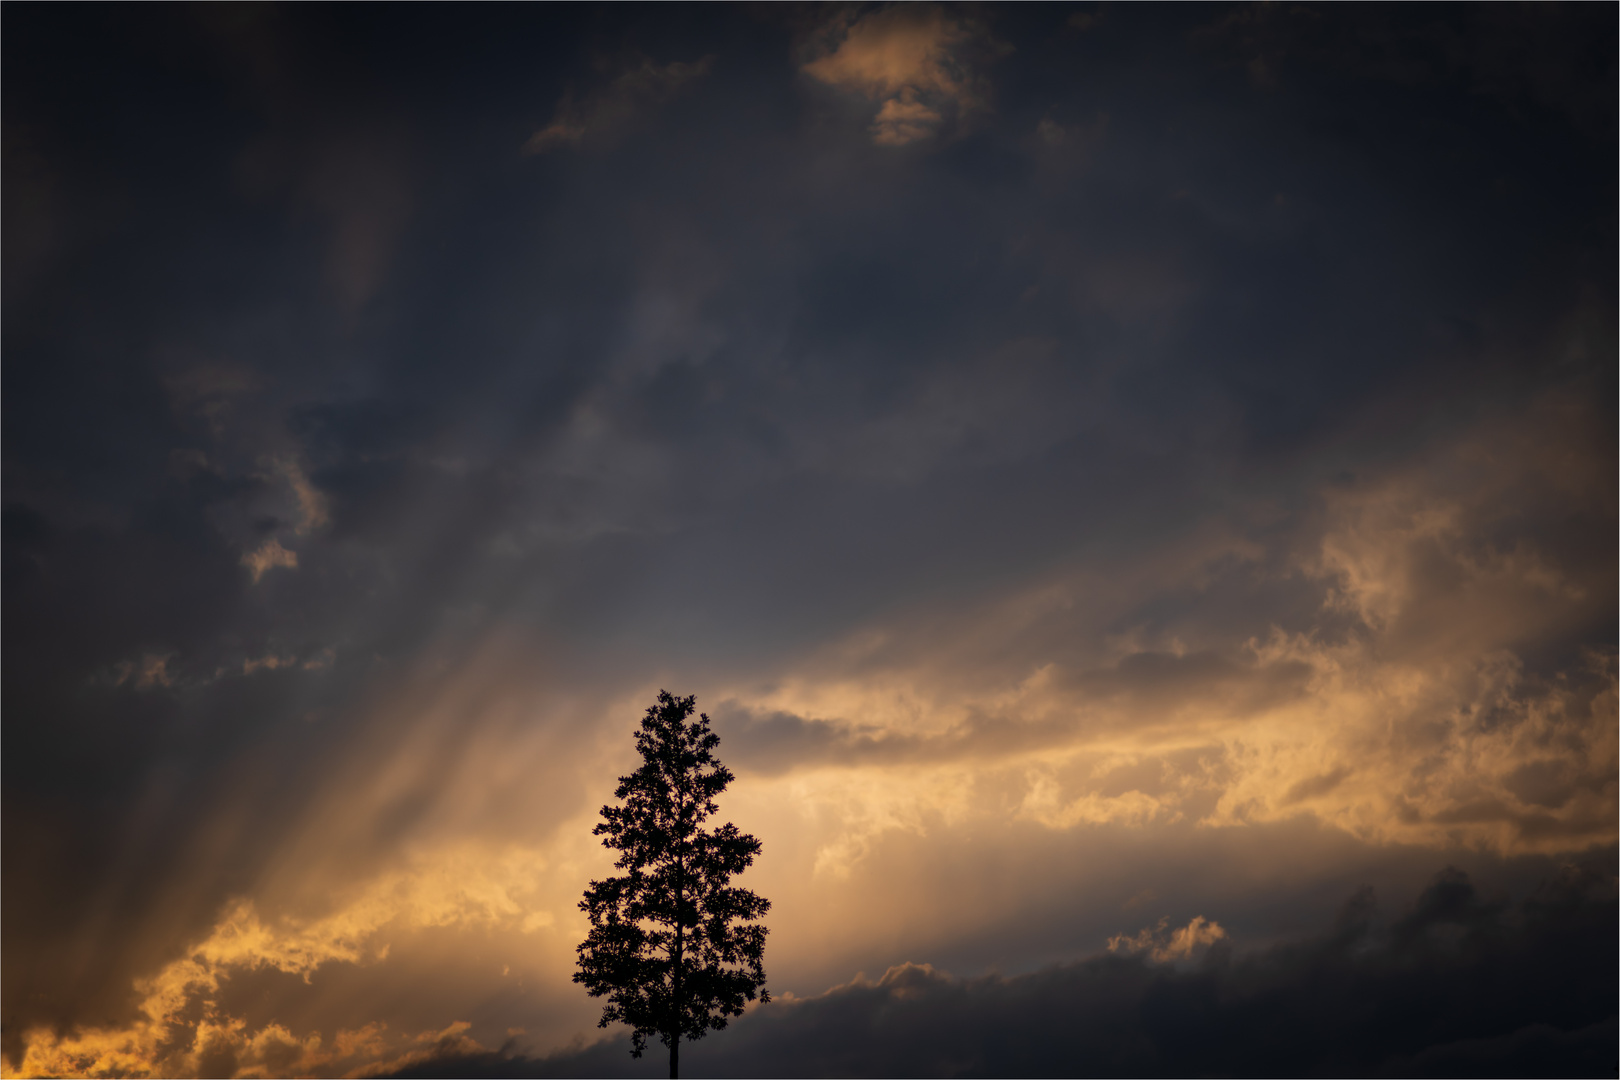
(183,1028)
(1164,944)
(267,556)
(919,63)
(150,671)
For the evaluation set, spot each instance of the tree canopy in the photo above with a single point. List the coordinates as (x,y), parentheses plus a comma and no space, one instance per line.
(675,949)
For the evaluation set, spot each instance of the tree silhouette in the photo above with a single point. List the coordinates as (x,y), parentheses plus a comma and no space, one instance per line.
(662,946)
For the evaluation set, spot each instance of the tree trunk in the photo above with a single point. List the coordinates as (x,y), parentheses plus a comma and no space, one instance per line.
(675,1028)
(675,981)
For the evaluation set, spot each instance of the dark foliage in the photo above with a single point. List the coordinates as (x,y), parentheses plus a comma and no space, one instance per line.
(673,947)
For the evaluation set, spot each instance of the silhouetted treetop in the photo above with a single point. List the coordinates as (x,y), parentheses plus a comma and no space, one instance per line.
(673,946)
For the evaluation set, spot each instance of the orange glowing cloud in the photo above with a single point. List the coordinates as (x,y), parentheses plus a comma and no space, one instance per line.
(267,556)
(1415,722)
(182,1027)
(914,60)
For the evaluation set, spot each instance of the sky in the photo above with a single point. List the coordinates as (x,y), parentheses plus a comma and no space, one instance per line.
(1133,487)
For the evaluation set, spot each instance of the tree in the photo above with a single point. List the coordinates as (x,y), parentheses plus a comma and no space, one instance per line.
(675,949)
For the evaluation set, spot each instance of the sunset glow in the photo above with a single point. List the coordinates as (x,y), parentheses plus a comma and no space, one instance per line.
(1133,487)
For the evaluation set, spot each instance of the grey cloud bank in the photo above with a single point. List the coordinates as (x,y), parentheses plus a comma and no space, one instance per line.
(1454,986)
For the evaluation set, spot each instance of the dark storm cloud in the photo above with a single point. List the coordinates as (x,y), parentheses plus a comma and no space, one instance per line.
(316,384)
(1456,985)
(1504,53)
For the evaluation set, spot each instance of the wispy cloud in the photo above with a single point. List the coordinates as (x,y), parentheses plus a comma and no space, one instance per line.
(1164,944)
(308,506)
(633,92)
(151,670)
(312,503)
(268,556)
(268,662)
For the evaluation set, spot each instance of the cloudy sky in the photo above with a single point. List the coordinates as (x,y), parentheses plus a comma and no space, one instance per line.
(1134,488)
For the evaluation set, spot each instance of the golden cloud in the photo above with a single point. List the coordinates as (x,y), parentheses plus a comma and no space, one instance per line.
(268,555)
(182,1029)
(1165,945)
(312,511)
(267,662)
(918,62)
(1400,710)
(152,670)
